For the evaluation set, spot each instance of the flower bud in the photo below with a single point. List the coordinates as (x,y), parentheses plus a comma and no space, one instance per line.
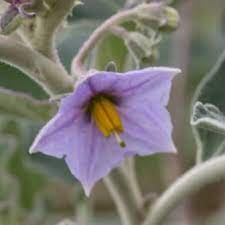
(13,14)
(172,20)
(9,21)
(158,17)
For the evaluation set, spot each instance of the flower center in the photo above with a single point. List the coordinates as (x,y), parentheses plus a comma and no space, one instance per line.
(106,117)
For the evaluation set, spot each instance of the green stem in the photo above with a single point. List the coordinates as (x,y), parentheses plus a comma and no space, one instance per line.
(130,176)
(83,214)
(122,198)
(48,74)
(191,182)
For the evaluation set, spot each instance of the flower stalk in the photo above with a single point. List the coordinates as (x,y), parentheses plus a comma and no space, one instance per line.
(121,17)
(129,172)
(77,64)
(122,198)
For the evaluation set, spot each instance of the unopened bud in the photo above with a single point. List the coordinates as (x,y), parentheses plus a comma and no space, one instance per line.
(157,16)
(171,20)
(9,21)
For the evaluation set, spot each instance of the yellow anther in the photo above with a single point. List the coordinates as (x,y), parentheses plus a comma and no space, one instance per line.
(106,117)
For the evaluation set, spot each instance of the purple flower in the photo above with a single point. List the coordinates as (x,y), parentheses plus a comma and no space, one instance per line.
(108,117)
(16,7)
(20,5)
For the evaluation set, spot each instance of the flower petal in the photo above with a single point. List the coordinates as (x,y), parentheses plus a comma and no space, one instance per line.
(155,80)
(147,126)
(77,99)
(151,84)
(101,82)
(131,84)
(93,155)
(147,129)
(57,136)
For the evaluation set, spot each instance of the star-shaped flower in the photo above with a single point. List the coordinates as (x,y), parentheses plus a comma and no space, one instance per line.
(108,117)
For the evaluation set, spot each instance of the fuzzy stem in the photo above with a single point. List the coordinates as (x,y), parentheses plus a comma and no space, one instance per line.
(48,74)
(47,25)
(120,32)
(83,214)
(122,198)
(121,17)
(191,182)
(77,65)
(130,175)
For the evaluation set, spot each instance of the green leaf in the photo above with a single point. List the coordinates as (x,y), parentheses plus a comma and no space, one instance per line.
(30,180)
(13,79)
(24,179)
(111,48)
(211,91)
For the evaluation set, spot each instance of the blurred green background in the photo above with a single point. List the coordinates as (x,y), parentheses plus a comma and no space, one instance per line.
(40,190)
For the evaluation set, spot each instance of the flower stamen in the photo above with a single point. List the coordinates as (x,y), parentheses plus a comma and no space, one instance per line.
(106,117)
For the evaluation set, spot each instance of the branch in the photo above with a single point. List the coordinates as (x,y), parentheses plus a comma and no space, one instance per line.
(191,182)
(48,74)
(23,106)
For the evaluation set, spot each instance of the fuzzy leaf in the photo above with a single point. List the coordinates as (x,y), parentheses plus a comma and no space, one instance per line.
(208,117)
(210,109)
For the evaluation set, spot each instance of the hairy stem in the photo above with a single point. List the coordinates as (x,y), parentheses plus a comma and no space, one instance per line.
(191,182)
(130,176)
(121,17)
(77,65)
(122,198)
(47,25)
(48,74)
(120,32)
(83,214)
